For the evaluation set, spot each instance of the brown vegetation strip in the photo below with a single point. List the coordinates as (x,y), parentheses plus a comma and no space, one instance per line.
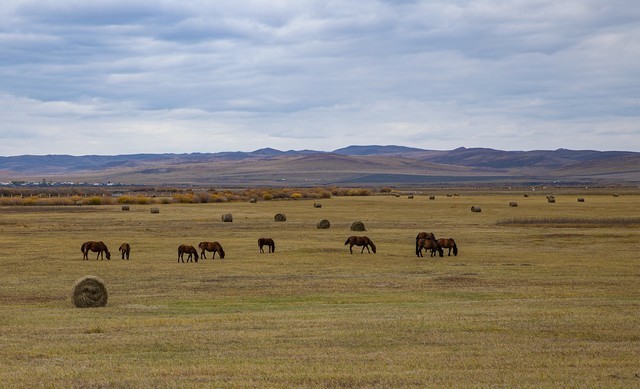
(572,221)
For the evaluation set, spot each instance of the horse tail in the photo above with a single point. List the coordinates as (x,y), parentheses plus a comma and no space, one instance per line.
(273,246)
(455,247)
(417,248)
(82,247)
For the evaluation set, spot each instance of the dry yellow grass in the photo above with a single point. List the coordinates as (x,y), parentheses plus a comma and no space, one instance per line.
(521,305)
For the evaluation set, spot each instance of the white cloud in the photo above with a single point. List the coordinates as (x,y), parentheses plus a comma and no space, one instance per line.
(216,76)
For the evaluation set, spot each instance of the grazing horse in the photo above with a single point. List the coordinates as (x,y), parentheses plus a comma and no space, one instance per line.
(125,249)
(363,241)
(449,243)
(186,249)
(432,238)
(211,246)
(98,247)
(267,242)
(430,245)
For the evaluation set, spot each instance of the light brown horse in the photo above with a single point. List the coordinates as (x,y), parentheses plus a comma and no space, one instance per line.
(432,238)
(98,247)
(125,249)
(187,249)
(430,245)
(267,242)
(449,243)
(363,241)
(211,246)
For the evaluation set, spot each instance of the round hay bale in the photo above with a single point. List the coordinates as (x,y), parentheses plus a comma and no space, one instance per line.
(317,205)
(551,199)
(155,210)
(125,208)
(615,195)
(89,292)
(513,204)
(227,218)
(324,224)
(475,209)
(580,200)
(432,197)
(253,200)
(526,195)
(410,197)
(280,217)
(358,226)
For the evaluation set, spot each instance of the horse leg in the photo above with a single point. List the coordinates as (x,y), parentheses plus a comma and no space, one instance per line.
(351,248)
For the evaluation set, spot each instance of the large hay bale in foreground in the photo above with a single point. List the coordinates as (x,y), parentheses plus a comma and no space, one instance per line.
(227,218)
(89,292)
(358,226)
(280,217)
(324,224)
(475,209)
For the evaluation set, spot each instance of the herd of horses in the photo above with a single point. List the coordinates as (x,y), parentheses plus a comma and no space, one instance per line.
(425,241)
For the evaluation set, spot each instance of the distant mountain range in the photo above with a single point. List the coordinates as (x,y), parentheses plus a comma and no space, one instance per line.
(353,165)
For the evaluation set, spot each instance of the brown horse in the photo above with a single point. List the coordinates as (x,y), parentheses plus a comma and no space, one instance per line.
(211,246)
(432,238)
(187,249)
(363,241)
(125,249)
(267,242)
(449,243)
(97,247)
(430,245)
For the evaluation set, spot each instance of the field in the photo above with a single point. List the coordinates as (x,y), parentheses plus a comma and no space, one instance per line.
(537,301)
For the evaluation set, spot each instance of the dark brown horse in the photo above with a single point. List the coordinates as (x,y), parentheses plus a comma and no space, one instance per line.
(125,249)
(187,249)
(432,238)
(96,247)
(211,246)
(449,243)
(429,245)
(267,242)
(363,241)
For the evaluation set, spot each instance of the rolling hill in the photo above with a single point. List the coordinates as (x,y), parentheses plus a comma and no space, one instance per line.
(353,165)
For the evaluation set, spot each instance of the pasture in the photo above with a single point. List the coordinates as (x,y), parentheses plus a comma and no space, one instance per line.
(523,304)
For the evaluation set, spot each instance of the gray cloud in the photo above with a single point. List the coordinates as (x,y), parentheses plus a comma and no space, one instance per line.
(208,76)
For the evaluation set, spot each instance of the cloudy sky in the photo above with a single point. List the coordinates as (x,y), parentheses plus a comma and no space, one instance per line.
(172,76)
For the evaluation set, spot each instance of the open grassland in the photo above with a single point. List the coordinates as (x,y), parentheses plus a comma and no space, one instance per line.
(523,304)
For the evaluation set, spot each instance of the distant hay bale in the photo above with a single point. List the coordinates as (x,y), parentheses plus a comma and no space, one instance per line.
(280,217)
(358,226)
(89,292)
(324,224)
(432,197)
(475,209)
(580,200)
(227,218)
(155,210)
(449,195)
(253,200)
(410,197)
(125,208)
(317,205)
(513,204)
(551,199)
(615,195)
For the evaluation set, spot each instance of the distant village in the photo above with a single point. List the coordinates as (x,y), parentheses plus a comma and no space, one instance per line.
(45,183)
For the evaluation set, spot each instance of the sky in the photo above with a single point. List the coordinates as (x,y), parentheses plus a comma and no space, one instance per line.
(111,77)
